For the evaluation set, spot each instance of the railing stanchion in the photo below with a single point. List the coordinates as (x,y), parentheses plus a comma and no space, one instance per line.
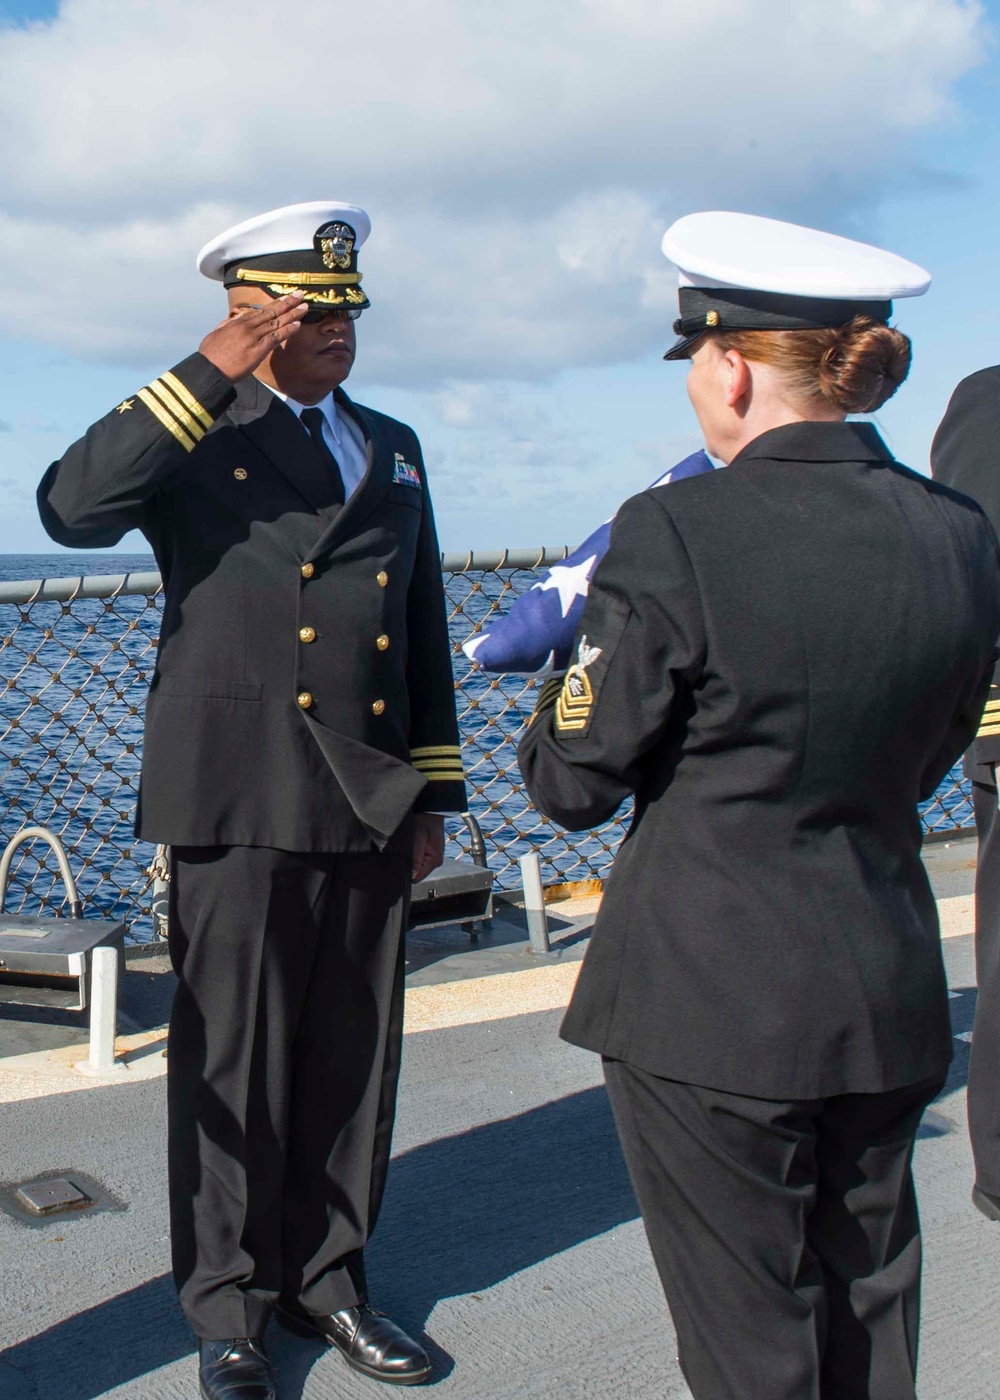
(103,1010)
(534,903)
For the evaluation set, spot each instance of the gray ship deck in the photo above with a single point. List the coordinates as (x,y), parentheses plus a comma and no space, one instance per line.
(509,1240)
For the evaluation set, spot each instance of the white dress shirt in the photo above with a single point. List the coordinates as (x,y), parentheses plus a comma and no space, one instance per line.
(342,436)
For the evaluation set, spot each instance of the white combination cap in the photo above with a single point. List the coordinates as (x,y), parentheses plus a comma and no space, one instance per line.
(743,272)
(305,248)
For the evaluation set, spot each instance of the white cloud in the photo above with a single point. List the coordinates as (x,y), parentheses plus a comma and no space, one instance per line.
(520,162)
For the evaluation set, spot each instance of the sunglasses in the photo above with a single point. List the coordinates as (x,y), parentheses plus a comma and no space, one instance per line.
(323,313)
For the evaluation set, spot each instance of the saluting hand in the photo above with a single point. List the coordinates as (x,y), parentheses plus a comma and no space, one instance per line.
(240,343)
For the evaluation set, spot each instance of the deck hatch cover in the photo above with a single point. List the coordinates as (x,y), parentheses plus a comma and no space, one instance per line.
(55,1197)
(52,1197)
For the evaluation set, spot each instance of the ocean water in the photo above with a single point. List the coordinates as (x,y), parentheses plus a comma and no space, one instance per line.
(65,768)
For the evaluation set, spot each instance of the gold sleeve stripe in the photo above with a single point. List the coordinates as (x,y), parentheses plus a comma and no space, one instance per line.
(547,696)
(439,766)
(169,423)
(993,728)
(187,398)
(174,406)
(435,777)
(436,751)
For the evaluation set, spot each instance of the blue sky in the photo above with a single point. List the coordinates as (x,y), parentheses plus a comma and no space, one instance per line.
(519,178)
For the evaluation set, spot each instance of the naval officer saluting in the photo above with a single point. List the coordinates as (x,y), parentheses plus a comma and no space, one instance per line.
(780,660)
(300,746)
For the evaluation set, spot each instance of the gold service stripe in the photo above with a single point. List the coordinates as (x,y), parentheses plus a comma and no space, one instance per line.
(165,418)
(439,766)
(435,751)
(187,398)
(434,777)
(547,697)
(302,279)
(174,406)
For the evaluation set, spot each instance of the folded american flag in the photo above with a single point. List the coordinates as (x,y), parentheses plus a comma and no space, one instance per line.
(536,636)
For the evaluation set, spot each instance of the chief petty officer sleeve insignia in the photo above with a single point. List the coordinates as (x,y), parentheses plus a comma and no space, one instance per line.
(576,698)
(573,697)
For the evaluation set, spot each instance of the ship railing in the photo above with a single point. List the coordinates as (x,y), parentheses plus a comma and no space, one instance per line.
(77,656)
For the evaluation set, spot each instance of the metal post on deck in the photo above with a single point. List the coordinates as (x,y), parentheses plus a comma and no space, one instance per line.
(103,1010)
(534,903)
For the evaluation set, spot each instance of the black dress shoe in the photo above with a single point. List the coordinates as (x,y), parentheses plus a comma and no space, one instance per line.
(368,1340)
(236,1370)
(989,1205)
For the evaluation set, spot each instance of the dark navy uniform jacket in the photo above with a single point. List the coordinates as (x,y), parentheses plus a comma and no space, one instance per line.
(966,455)
(303,696)
(780,660)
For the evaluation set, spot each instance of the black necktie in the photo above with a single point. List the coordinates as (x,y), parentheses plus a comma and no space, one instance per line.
(312,418)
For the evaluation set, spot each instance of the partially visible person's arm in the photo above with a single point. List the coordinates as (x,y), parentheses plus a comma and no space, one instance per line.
(965,453)
(435,750)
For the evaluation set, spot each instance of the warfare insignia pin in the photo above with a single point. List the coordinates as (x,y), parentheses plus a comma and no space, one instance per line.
(576,699)
(336,243)
(404,474)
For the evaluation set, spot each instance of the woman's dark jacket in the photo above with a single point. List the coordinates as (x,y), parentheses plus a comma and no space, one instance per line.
(780,660)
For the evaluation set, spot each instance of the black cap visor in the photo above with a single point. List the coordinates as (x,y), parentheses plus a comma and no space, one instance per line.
(705,309)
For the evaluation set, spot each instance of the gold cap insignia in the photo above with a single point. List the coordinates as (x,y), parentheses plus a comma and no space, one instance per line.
(336,244)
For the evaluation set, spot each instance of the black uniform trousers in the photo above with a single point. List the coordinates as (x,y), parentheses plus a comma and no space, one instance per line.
(283,1061)
(786,1235)
(984,1061)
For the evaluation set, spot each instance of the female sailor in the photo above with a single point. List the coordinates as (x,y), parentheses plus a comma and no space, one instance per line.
(779,660)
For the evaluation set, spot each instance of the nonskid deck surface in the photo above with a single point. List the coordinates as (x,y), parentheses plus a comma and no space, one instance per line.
(509,1239)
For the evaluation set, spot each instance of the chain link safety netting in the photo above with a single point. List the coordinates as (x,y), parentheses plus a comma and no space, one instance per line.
(77,656)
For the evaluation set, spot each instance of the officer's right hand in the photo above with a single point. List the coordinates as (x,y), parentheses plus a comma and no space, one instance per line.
(239,344)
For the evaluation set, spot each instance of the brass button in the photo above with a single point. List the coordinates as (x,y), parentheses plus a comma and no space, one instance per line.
(304,700)
(307,634)
(379,707)
(240,473)
(382,642)
(381,578)
(308,570)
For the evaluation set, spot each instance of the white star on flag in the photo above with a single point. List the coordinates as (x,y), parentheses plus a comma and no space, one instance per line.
(571,580)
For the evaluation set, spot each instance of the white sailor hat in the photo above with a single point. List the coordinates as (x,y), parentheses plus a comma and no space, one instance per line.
(742,272)
(306,248)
